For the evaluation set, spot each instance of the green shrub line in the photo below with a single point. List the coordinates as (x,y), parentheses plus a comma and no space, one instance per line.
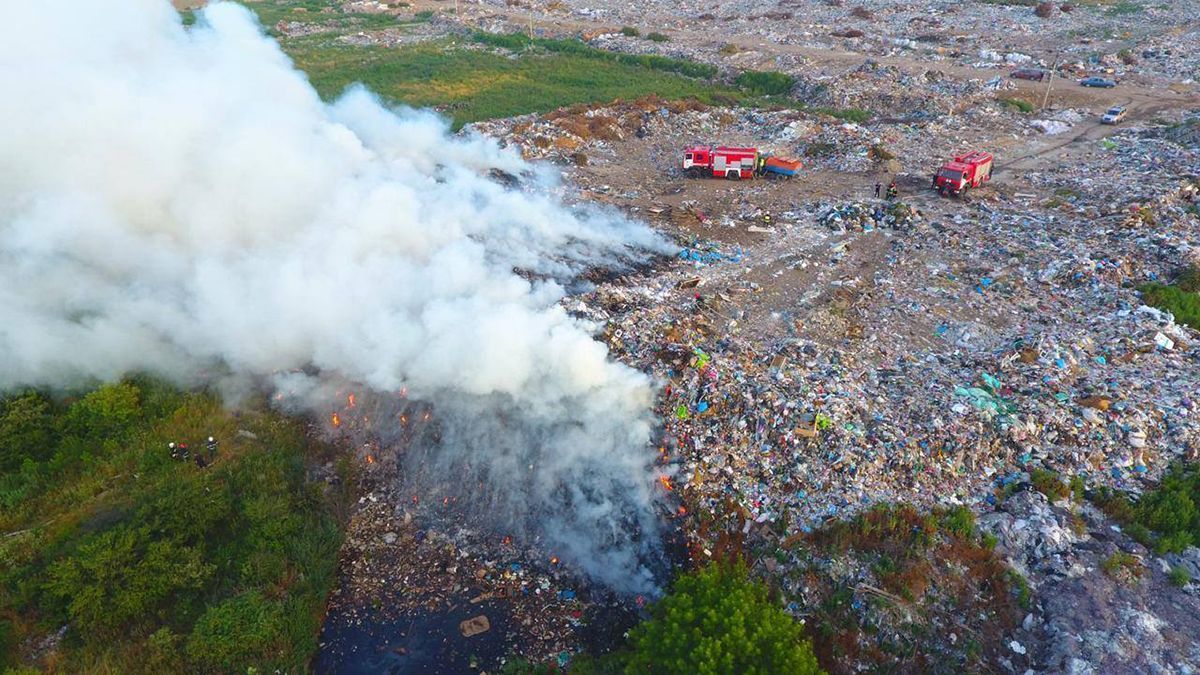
(1166,518)
(157,564)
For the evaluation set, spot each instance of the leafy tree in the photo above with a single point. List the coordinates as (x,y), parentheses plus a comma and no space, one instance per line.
(26,430)
(105,413)
(715,621)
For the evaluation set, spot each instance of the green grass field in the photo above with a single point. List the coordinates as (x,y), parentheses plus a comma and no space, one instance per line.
(471,83)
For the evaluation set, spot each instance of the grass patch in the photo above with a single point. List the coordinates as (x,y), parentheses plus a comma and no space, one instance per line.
(155,564)
(1166,518)
(630,31)
(1179,576)
(658,37)
(1020,588)
(1183,304)
(518,41)
(1049,483)
(1124,8)
(1122,566)
(473,85)
(1017,104)
(767,83)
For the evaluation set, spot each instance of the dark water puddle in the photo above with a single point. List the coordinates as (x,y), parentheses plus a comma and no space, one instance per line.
(357,640)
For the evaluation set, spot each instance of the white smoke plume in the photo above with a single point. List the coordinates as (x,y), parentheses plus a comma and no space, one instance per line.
(180,201)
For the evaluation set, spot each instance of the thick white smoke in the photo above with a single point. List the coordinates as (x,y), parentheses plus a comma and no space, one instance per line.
(181,201)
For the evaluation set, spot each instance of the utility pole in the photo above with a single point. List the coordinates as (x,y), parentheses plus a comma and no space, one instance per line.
(531,23)
(1049,81)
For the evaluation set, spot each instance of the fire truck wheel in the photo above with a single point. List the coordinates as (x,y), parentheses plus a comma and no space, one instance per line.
(732,175)
(692,172)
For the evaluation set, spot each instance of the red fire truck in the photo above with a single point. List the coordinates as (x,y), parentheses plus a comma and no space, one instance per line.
(730,163)
(963,173)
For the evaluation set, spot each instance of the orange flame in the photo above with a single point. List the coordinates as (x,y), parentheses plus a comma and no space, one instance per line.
(666,482)
(426,416)
(370,459)
(404,420)
(350,398)
(337,421)
(554,560)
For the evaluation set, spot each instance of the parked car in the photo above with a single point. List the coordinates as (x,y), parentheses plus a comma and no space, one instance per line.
(1113,115)
(1097,82)
(1028,74)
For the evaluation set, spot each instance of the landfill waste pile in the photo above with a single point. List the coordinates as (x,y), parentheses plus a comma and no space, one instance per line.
(980,34)
(846,348)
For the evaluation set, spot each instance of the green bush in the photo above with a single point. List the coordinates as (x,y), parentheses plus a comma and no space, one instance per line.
(1121,564)
(718,620)
(989,541)
(1171,511)
(1179,576)
(26,430)
(1049,483)
(241,630)
(1078,488)
(630,31)
(105,413)
(767,83)
(657,37)
(1019,586)
(1018,104)
(124,577)
(959,521)
(1183,304)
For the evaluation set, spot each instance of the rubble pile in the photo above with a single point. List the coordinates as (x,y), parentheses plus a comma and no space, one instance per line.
(1084,619)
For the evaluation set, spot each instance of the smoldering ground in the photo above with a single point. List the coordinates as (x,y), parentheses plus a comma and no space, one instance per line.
(181,201)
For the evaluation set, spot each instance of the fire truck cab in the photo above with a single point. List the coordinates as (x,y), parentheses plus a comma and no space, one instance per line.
(721,162)
(963,173)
